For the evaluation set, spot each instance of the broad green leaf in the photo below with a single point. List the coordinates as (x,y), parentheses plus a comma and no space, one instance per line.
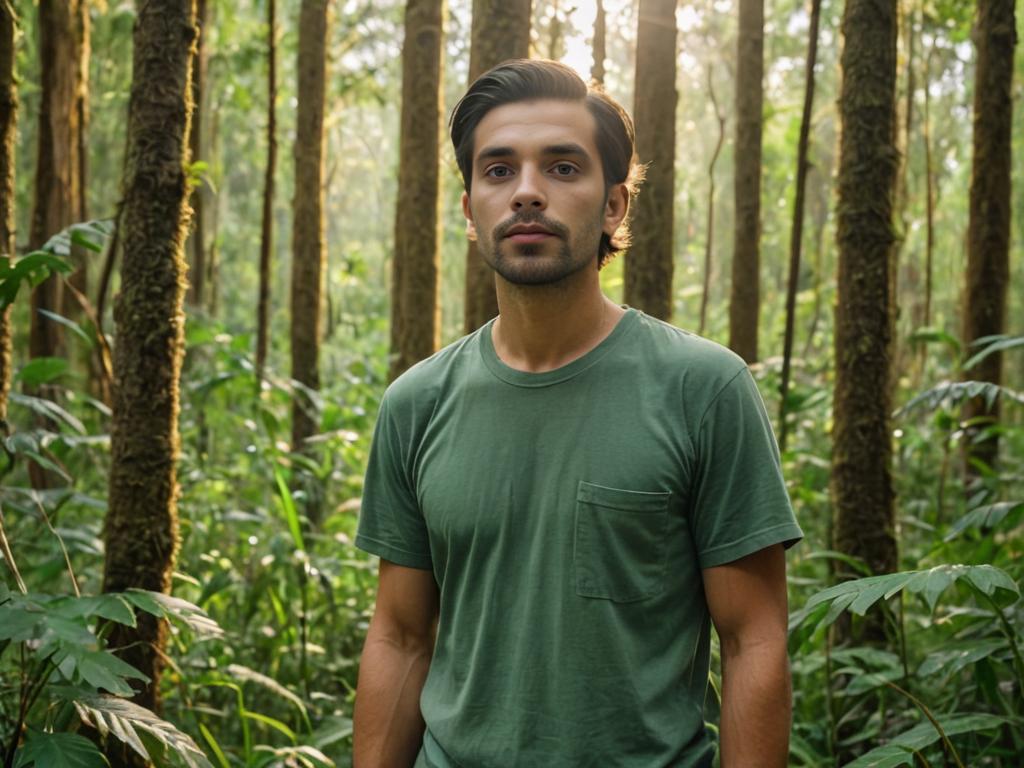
(58,750)
(246,675)
(48,410)
(109,606)
(924,734)
(101,670)
(887,756)
(987,516)
(331,730)
(998,344)
(42,370)
(272,722)
(20,622)
(71,325)
(110,714)
(288,504)
(860,594)
(949,661)
(168,606)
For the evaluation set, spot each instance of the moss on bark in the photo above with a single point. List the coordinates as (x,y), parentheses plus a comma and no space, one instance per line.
(862,489)
(141,529)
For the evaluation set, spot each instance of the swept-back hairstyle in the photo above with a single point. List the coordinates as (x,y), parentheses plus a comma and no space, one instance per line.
(518,80)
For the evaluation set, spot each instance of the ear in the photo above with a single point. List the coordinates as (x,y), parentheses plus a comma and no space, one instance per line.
(468,213)
(616,208)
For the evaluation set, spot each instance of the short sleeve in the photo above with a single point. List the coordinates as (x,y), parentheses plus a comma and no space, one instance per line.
(391,524)
(740,504)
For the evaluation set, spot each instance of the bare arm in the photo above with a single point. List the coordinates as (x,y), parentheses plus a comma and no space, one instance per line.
(747,601)
(388,728)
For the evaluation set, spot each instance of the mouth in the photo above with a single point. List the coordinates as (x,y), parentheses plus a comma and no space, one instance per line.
(528,233)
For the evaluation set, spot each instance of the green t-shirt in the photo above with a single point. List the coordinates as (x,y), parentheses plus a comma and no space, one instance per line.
(566,516)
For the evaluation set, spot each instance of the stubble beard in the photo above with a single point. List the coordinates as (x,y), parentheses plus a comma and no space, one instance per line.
(541,269)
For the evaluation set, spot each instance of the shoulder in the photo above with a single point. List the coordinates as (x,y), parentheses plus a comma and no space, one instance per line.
(698,364)
(417,390)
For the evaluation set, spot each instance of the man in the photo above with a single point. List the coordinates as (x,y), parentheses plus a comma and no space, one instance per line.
(566,499)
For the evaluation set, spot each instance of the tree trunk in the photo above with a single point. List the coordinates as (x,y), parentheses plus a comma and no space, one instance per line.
(501,31)
(197,270)
(649,264)
(267,231)
(744,298)
(797,231)
(988,231)
(600,45)
(862,449)
(415,303)
(141,528)
(308,220)
(709,239)
(8,134)
(57,184)
(929,176)
(79,279)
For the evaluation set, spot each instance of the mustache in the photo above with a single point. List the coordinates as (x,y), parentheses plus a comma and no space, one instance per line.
(552,226)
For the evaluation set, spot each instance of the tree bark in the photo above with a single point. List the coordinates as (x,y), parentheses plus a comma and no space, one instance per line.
(267,231)
(988,230)
(649,265)
(501,31)
(8,134)
(415,291)
(197,270)
(862,450)
(57,184)
(308,221)
(744,298)
(797,231)
(600,45)
(141,529)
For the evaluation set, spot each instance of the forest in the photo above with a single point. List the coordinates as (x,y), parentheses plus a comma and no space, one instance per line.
(227,225)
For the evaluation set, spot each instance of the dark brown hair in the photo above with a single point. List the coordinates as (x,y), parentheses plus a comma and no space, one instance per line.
(518,80)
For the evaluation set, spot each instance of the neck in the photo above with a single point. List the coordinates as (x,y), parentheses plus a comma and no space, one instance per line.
(543,327)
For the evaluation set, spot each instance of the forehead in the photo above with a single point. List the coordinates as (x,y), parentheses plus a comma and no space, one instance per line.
(526,125)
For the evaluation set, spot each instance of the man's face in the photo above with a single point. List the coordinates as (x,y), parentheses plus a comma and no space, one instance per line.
(538,205)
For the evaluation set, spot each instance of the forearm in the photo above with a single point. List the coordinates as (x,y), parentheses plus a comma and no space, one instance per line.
(388,726)
(756,705)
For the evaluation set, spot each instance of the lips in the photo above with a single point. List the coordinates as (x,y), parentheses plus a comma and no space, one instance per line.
(528,229)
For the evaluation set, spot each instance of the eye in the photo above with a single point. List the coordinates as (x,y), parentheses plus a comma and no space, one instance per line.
(565,169)
(498,172)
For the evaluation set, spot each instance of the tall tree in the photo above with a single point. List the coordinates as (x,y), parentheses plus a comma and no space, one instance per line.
(797,230)
(141,528)
(267,229)
(861,436)
(57,195)
(8,119)
(415,305)
(744,297)
(501,31)
(308,218)
(600,44)
(709,238)
(988,230)
(197,270)
(648,267)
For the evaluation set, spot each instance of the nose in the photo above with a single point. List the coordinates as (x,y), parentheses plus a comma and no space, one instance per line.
(529,192)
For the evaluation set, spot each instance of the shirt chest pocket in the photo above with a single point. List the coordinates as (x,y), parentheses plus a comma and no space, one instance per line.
(620,542)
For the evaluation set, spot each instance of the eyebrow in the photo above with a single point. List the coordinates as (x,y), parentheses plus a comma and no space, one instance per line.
(567,149)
